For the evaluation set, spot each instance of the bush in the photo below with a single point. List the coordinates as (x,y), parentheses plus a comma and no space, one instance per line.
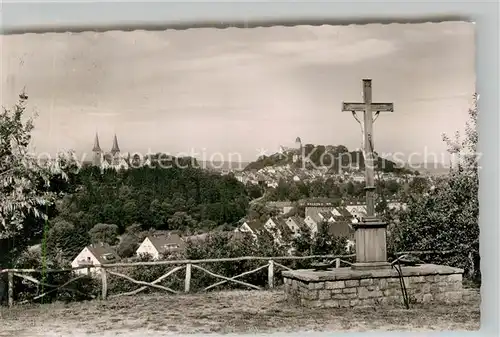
(81,289)
(216,245)
(321,243)
(222,245)
(446,218)
(118,284)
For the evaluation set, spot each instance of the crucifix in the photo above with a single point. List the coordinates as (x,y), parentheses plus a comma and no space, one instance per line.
(370,235)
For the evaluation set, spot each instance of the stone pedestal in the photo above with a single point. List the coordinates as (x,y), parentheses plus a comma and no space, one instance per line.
(347,287)
(371,252)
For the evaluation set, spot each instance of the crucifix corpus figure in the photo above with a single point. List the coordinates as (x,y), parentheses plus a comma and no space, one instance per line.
(370,235)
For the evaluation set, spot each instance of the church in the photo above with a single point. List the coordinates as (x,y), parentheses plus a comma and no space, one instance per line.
(114,159)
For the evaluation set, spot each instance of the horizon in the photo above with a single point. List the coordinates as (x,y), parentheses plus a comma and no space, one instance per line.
(242,90)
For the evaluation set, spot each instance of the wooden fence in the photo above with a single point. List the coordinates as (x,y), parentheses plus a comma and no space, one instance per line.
(271,263)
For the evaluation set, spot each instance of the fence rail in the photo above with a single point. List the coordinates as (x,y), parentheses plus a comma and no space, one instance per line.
(187,265)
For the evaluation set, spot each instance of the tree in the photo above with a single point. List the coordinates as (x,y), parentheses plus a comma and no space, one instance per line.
(254,191)
(446,218)
(261,212)
(28,187)
(466,149)
(24,181)
(418,185)
(327,243)
(64,240)
(128,245)
(104,233)
(181,221)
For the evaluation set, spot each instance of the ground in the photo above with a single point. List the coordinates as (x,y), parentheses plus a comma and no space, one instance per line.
(223,312)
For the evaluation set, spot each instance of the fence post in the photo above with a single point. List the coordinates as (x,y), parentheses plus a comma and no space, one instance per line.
(187,280)
(337,262)
(270,274)
(11,288)
(104,278)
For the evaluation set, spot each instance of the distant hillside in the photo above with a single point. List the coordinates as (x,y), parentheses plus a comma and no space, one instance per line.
(433,169)
(226,165)
(333,157)
(158,159)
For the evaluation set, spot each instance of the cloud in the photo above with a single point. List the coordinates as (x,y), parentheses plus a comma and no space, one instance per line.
(326,51)
(209,87)
(103,114)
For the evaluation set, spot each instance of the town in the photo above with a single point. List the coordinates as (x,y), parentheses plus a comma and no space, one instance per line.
(268,179)
(283,216)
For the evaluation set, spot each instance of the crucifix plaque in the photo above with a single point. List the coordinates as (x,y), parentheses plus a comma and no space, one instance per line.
(370,232)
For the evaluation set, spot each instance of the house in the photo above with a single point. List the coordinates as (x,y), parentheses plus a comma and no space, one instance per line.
(254,227)
(155,246)
(94,256)
(296,224)
(312,221)
(313,209)
(273,223)
(279,229)
(327,216)
(343,213)
(283,206)
(356,210)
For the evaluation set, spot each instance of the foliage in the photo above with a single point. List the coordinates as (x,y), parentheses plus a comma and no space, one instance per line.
(224,245)
(336,158)
(77,290)
(165,199)
(29,186)
(446,217)
(320,243)
(335,189)
(215,245)
(130,241)
(261,212)
(24,180)
(466,148)
(104,233)
(65,240)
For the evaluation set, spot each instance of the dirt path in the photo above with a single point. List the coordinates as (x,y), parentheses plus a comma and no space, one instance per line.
(222,312)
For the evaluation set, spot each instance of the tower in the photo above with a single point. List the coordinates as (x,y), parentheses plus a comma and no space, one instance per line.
(298,146)
(96,160)
(115,151)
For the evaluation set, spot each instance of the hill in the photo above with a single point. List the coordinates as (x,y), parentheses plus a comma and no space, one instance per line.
(176,198)
(335,158)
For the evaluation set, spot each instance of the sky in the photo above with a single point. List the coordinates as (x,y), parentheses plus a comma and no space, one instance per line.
(238,93)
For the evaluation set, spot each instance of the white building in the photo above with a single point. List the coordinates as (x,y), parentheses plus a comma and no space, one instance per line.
(94,256)
(155,246)
(296,224)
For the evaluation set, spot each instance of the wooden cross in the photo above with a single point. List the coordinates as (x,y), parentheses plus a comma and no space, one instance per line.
(367,129)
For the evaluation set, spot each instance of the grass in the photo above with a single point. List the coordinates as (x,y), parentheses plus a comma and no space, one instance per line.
(223,312)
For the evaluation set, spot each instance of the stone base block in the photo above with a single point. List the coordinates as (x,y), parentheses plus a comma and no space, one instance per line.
(347,287)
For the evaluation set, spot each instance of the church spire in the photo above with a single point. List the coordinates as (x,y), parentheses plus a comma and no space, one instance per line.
(97,147)
(115,149)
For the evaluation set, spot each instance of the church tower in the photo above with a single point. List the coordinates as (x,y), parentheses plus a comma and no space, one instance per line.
(115,151)
(96,160)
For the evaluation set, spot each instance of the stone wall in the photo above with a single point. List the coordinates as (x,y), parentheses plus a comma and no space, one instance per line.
(374,291)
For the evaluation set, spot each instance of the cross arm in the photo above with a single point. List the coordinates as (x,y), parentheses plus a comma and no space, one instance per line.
(347,106)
